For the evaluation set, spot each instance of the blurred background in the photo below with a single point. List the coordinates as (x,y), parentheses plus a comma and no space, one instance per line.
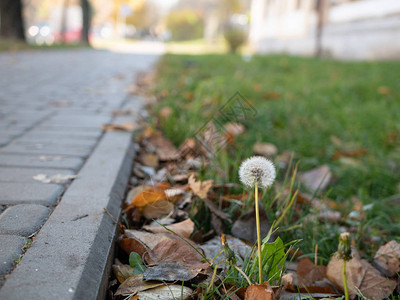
(346,29)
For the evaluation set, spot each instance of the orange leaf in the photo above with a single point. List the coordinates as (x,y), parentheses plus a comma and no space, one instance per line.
(259,292)
(147,197)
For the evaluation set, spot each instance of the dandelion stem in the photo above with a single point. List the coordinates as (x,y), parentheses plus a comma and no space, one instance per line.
(346,289)
(260,280)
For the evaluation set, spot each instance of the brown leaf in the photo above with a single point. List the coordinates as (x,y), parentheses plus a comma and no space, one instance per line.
(265,149)
(183,229)
(122,272)
(135,284)
(308,273)
(245,227)
(271,95)
(387,259)
(166,292)
(351,153)
(149,159)
(316,179)
(165,112)
(360,275)
(234,129)
(170,271)
(178,251)
(384,90)
(158,209)
(126,126)
(139,241)
(200,188)
(259,292)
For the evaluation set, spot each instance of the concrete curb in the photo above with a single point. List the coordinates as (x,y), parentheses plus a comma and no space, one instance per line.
(70,257)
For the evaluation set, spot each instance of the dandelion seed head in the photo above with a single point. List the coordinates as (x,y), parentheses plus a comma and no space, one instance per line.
(257,169)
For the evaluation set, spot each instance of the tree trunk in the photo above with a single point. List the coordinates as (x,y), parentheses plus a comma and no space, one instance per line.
(86,16)
(11,21)
(321,11)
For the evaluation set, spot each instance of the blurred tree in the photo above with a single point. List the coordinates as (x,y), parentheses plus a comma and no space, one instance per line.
(185,24)
(11,21)
(86,16)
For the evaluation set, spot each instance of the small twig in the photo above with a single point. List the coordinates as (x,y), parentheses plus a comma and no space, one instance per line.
(114,219)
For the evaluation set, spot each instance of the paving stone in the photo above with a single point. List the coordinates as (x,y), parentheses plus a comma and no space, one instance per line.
(40,149)
(10,174)
(43,132)
(41,161)
(4,141)
(31,193)
(11,248)
(23,219)
(56,140)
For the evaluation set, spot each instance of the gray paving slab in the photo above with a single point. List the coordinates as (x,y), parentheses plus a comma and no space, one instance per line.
(31,193)
(45,161)
(43,132)
(11,248)
(72,250)
(23,219)
(40,149)
(4,141)
(62,135)
(45,142)
(16,174)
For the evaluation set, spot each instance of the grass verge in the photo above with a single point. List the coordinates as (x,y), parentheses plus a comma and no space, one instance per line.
(343,114)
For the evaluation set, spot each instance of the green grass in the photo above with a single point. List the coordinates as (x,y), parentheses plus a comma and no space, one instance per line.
(10,45)
(303,105)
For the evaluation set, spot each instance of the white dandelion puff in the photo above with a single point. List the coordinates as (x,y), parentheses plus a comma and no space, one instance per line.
(257,169)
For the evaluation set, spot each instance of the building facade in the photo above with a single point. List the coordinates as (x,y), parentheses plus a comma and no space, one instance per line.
(348,29)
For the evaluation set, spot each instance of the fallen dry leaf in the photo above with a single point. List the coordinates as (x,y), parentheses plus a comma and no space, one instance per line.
(122,272)
(200,188)
(259,292)
(126,126)
(165,112)
(136,191)
(316,179)
(170,271)
(149,159)
(135,284)
(308,273)
(139,241)
(178,251)
(234,129)
(360,275)
(158,209)
(349,154)
(183,229)
(384,90)
(170,292)
(148,197)
(387,259)
(265,149)
(245,227)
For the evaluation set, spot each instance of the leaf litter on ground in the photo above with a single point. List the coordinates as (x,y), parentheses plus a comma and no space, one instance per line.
(169,255)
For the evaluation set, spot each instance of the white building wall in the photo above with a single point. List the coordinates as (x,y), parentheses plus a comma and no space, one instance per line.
(365,29)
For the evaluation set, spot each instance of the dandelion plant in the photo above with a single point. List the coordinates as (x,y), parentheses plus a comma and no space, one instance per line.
(254,172)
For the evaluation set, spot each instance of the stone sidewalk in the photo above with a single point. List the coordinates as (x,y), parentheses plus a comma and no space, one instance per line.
(52,107)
